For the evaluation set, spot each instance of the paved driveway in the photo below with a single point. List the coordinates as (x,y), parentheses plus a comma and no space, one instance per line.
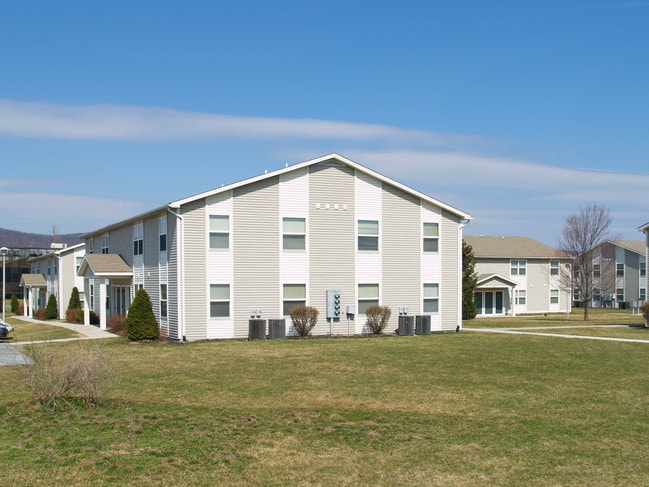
(10,355)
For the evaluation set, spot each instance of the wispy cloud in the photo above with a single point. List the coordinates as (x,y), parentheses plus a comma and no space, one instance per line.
(608,6)
(129,123)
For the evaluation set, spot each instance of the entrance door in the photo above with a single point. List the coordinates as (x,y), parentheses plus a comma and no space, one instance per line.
(499,302)
(489,303)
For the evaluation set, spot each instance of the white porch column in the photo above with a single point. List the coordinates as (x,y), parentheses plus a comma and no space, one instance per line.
(103,285)
(26,301)
(86,306)
(30,312)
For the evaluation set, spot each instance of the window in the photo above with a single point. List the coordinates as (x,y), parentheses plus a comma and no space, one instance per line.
(89,245)
(518,267)
(219,300)
(596,270)
(294,295)
(92,296)
(643,269)
(105,240)
(294,233)
(162,232)
(597,294)
(643,293)
(163,300)
(431,237)
(554,296)
(619,294)
(138,239)
(575,295)
(79,261)
(554,268)
(619,270)
(368,295)
(219,232)
(431,298)
(368,235)
(521,296)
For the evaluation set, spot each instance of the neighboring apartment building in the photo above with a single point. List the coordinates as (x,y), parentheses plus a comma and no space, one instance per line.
(645,229)
(519,275)
(60,273)
(619,274)
(283,238)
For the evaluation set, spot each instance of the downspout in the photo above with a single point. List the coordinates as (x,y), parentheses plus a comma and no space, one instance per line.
(462,224)
(181,275)
(59,290)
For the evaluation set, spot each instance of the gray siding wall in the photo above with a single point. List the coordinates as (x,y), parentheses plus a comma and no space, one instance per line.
(151,263)
(195,281)
(120,242)
(451,292)
(401,237)
(332,237)
(538,290)
(255,228)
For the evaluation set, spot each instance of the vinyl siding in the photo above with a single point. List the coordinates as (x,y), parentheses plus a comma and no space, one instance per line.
(256,252)
(332,240)
(194,255)
(401,237)
(151,261)
(451,287)
(173,229)
(538,289)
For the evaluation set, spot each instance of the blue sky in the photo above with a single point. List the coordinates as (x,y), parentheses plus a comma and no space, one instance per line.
(517,112)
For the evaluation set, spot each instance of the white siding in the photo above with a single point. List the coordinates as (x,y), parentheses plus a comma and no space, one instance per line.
(431,263)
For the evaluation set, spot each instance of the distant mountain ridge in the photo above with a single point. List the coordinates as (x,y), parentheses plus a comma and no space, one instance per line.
(15,239)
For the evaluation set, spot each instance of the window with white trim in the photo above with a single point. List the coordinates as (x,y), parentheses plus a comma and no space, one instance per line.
(162,233)
(368,235)
(597,294)
(643,293)
(89,245)
(219,300)
(368,295)
(105,242)
(520,296)
(163,300)
(518,267)
(293,233)
(431,237)
(619,270)
(619,294)
(138,239)
(554,296)
(596,270)
(219,232)
(78,265)
(431,298)
(294,295)
(643,269)
(554,267)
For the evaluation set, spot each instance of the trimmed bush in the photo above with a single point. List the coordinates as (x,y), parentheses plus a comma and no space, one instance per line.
(52,308)
(14,304)
(304,319)
(377,318)
(645,313)
(116,324)
(39,314)
(140,322)
(75,301)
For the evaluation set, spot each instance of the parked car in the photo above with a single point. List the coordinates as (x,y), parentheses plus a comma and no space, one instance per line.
(5,329)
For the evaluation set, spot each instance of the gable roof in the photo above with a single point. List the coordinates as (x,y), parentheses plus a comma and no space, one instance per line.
(510,247)
(330,157)
(105,266)
(644,228)
(32,280)
(491,279)
(637,246)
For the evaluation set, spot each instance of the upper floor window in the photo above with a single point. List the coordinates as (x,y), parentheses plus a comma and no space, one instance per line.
(619,270)
(294,233)
(643,293)
(162,232)
(518,267)
(105,241)
(368,235)
(554,267)
(79,261)
(138,239)
(431,298)
(619,294)
(89,245)
(431,237)
(643,269)
(596,270)
(219,232)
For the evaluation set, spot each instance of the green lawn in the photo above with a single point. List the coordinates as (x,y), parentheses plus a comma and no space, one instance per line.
(453,409)
(25,331)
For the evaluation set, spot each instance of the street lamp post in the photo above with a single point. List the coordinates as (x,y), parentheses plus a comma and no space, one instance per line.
(4,251)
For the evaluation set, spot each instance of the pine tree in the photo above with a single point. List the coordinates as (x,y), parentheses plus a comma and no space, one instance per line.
(75,302)
(52,308)
(469,282)
(14,303)
(140,322)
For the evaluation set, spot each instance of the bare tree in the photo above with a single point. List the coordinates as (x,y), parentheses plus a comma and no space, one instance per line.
(581,239)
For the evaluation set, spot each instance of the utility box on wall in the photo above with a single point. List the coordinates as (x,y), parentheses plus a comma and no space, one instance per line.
(333,304)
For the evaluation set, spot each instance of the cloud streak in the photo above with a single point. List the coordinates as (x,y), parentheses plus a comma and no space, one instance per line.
(130,123)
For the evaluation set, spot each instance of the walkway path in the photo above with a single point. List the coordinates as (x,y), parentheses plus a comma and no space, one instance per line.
(10,355)
(524,331)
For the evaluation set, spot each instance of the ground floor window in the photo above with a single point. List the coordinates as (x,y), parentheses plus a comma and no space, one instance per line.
(294,295)
(368,295)
(163,300)
(219,300)
(554,296)
(431,298)
(521,296)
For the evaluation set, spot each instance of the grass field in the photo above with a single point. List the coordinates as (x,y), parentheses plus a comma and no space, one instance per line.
(25,331)
(453,409)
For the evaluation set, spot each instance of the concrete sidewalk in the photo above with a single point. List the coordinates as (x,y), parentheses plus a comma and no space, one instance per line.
(10,355)
(521,331)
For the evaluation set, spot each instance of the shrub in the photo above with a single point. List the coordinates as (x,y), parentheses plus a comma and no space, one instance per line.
(52,308)
(94,317)
(14,304)
(304,319)
(20,310)
(140,322)
(74,315)
(59,377)
(645,313)
(116,324)
(39,314)
(75,301)
(377,318)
